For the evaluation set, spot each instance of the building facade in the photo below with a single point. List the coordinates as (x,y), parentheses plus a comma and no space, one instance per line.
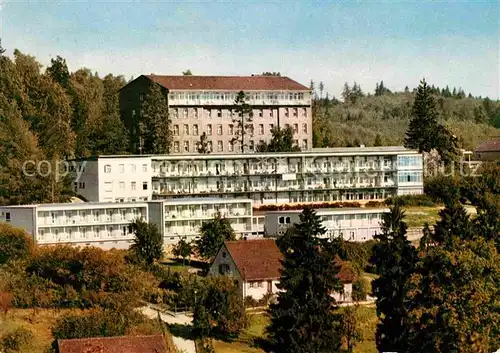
(335,174)
(351,224)
(183,218)
(104,225)
(205,104)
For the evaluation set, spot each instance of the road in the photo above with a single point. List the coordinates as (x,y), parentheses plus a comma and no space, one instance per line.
(182,344)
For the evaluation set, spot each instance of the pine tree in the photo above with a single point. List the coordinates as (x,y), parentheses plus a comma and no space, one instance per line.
(321,87)
(394,259)
(202,145)
(155,122)
(304,319)
(59,72)
(187,73)
(424,132)
(243,119)
(378,141)
(281,141)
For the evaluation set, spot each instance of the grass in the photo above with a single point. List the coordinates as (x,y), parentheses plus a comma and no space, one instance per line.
(248,342)
(416,217)
(39,325)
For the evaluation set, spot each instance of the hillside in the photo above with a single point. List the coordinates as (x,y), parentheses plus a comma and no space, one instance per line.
(358,121)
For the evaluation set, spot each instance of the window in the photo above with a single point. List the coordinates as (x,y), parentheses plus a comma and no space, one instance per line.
(186,129)
(185,113)
(304,128)
(176,146)
(176,130)
(281,220)
(295,128)
(175,113)
(271,127)
(230,146)
(230,129)
(271,113)
(121,168)
(220,146)
(224,254)
(82,185)
(261,129)
(7,216)
(133,112)
(286,112)
(107,168)
(287,220)
(304,144)
(209,146)
(294,112)
(195,113)
(251,145)
(122,185)
(195,130)
(209,113)
(259,113)
(250,129)
(219,113)
(132,168)
(219,129)
(186,146)
(304,112)
(224,269)
(144,185)
(133,185)
(108,186)
(209,129)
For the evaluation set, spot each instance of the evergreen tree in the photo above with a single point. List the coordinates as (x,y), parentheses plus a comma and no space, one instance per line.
(281,141)
(378,141)
(187,73)
(243,119)
(304,319)
(312,87)
(2,50)
(394,259)
(59,72)
(424,132)
(346,92)
(155,122)
(202,145)
(321,88)
(213,234)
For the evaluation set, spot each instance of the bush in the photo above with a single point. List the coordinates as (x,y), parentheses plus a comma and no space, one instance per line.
(15,243)
(412,200)
(301,206)
(358,253)
(360,289)
(374,204)
(250,302)
(16,341)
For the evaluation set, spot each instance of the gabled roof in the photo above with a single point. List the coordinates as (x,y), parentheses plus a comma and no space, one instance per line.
(257,259)
(489,146)
(260,259)
(228,83)
(122,344)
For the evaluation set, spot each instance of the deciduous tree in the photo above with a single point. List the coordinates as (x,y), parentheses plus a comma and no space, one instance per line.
(281,141)
(155,122)
(213,234)
(148,241)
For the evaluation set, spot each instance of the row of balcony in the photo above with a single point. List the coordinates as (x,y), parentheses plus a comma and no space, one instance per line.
(75,221)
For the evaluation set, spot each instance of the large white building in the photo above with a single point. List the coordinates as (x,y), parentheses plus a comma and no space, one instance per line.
(104,225)
(352,224)
(333,174)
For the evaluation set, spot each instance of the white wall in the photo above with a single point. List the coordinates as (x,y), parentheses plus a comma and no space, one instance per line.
(20,217)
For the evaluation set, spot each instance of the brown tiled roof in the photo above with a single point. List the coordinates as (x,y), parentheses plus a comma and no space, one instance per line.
(228,83)
(489,146)
(347,274)
(124,344)
(257,259)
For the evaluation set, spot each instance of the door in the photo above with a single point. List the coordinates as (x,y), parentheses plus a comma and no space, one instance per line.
(269,286)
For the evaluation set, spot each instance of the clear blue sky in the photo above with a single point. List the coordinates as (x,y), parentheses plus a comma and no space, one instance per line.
(453,43)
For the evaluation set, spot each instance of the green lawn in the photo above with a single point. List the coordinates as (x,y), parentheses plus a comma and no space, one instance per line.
(416,217)
(248,340)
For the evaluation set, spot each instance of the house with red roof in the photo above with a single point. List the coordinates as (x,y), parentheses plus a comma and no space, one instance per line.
(121,344)
(255,265)
(488,151)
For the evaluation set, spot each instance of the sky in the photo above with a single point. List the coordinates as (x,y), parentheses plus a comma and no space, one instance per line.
(454,43)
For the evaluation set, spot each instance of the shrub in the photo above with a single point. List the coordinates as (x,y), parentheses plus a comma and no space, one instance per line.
(16,341)
(412,200)
(360,289)
(374,204)
(358,253)
(250,302)
(15,243)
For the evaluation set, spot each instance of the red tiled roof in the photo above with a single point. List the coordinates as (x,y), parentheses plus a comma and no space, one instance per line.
(488,146)
(260,260)
(124,344)
(228,83)
(257,259)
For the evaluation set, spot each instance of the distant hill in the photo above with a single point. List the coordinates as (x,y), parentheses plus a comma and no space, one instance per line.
(359,119)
